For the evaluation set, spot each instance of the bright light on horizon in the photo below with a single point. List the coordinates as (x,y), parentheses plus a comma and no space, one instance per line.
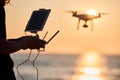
(90,66)
(91,71)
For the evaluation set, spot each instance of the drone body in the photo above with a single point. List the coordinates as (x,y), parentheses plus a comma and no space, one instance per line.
(86,17)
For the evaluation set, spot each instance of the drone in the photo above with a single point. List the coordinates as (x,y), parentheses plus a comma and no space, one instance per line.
(90,15)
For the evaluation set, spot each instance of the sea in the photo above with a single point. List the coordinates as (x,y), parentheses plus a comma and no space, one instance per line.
(66,66)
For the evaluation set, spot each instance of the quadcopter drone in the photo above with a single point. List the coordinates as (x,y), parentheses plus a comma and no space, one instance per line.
(88,16)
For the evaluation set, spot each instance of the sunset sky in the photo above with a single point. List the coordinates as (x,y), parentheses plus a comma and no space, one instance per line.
(105,37)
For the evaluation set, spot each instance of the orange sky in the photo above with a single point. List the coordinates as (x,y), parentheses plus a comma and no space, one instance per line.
(105,37)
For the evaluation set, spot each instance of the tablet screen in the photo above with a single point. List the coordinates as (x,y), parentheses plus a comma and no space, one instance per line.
(37,20)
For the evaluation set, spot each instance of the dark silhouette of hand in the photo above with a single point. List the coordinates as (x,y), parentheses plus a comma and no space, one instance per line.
(33,42)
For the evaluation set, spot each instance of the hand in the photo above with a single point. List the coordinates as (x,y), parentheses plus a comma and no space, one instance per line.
(33,42)
(42,44)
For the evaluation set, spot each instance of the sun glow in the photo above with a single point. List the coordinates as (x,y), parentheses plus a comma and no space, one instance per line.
(90,66)
(92,12)
(91,58)
(91,71)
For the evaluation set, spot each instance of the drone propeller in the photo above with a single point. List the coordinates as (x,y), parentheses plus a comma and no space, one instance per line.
(71,11)
(99,14)
(103,13)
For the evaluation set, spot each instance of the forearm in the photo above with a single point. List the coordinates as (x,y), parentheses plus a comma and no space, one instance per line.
(9,47)
(14,46)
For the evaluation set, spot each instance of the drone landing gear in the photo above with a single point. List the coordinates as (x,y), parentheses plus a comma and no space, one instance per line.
(85,25)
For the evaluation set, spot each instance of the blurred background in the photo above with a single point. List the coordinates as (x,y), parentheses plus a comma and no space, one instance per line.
(73,54)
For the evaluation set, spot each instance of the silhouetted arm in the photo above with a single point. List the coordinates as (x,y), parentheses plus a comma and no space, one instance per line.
(8,47)
(13,45)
